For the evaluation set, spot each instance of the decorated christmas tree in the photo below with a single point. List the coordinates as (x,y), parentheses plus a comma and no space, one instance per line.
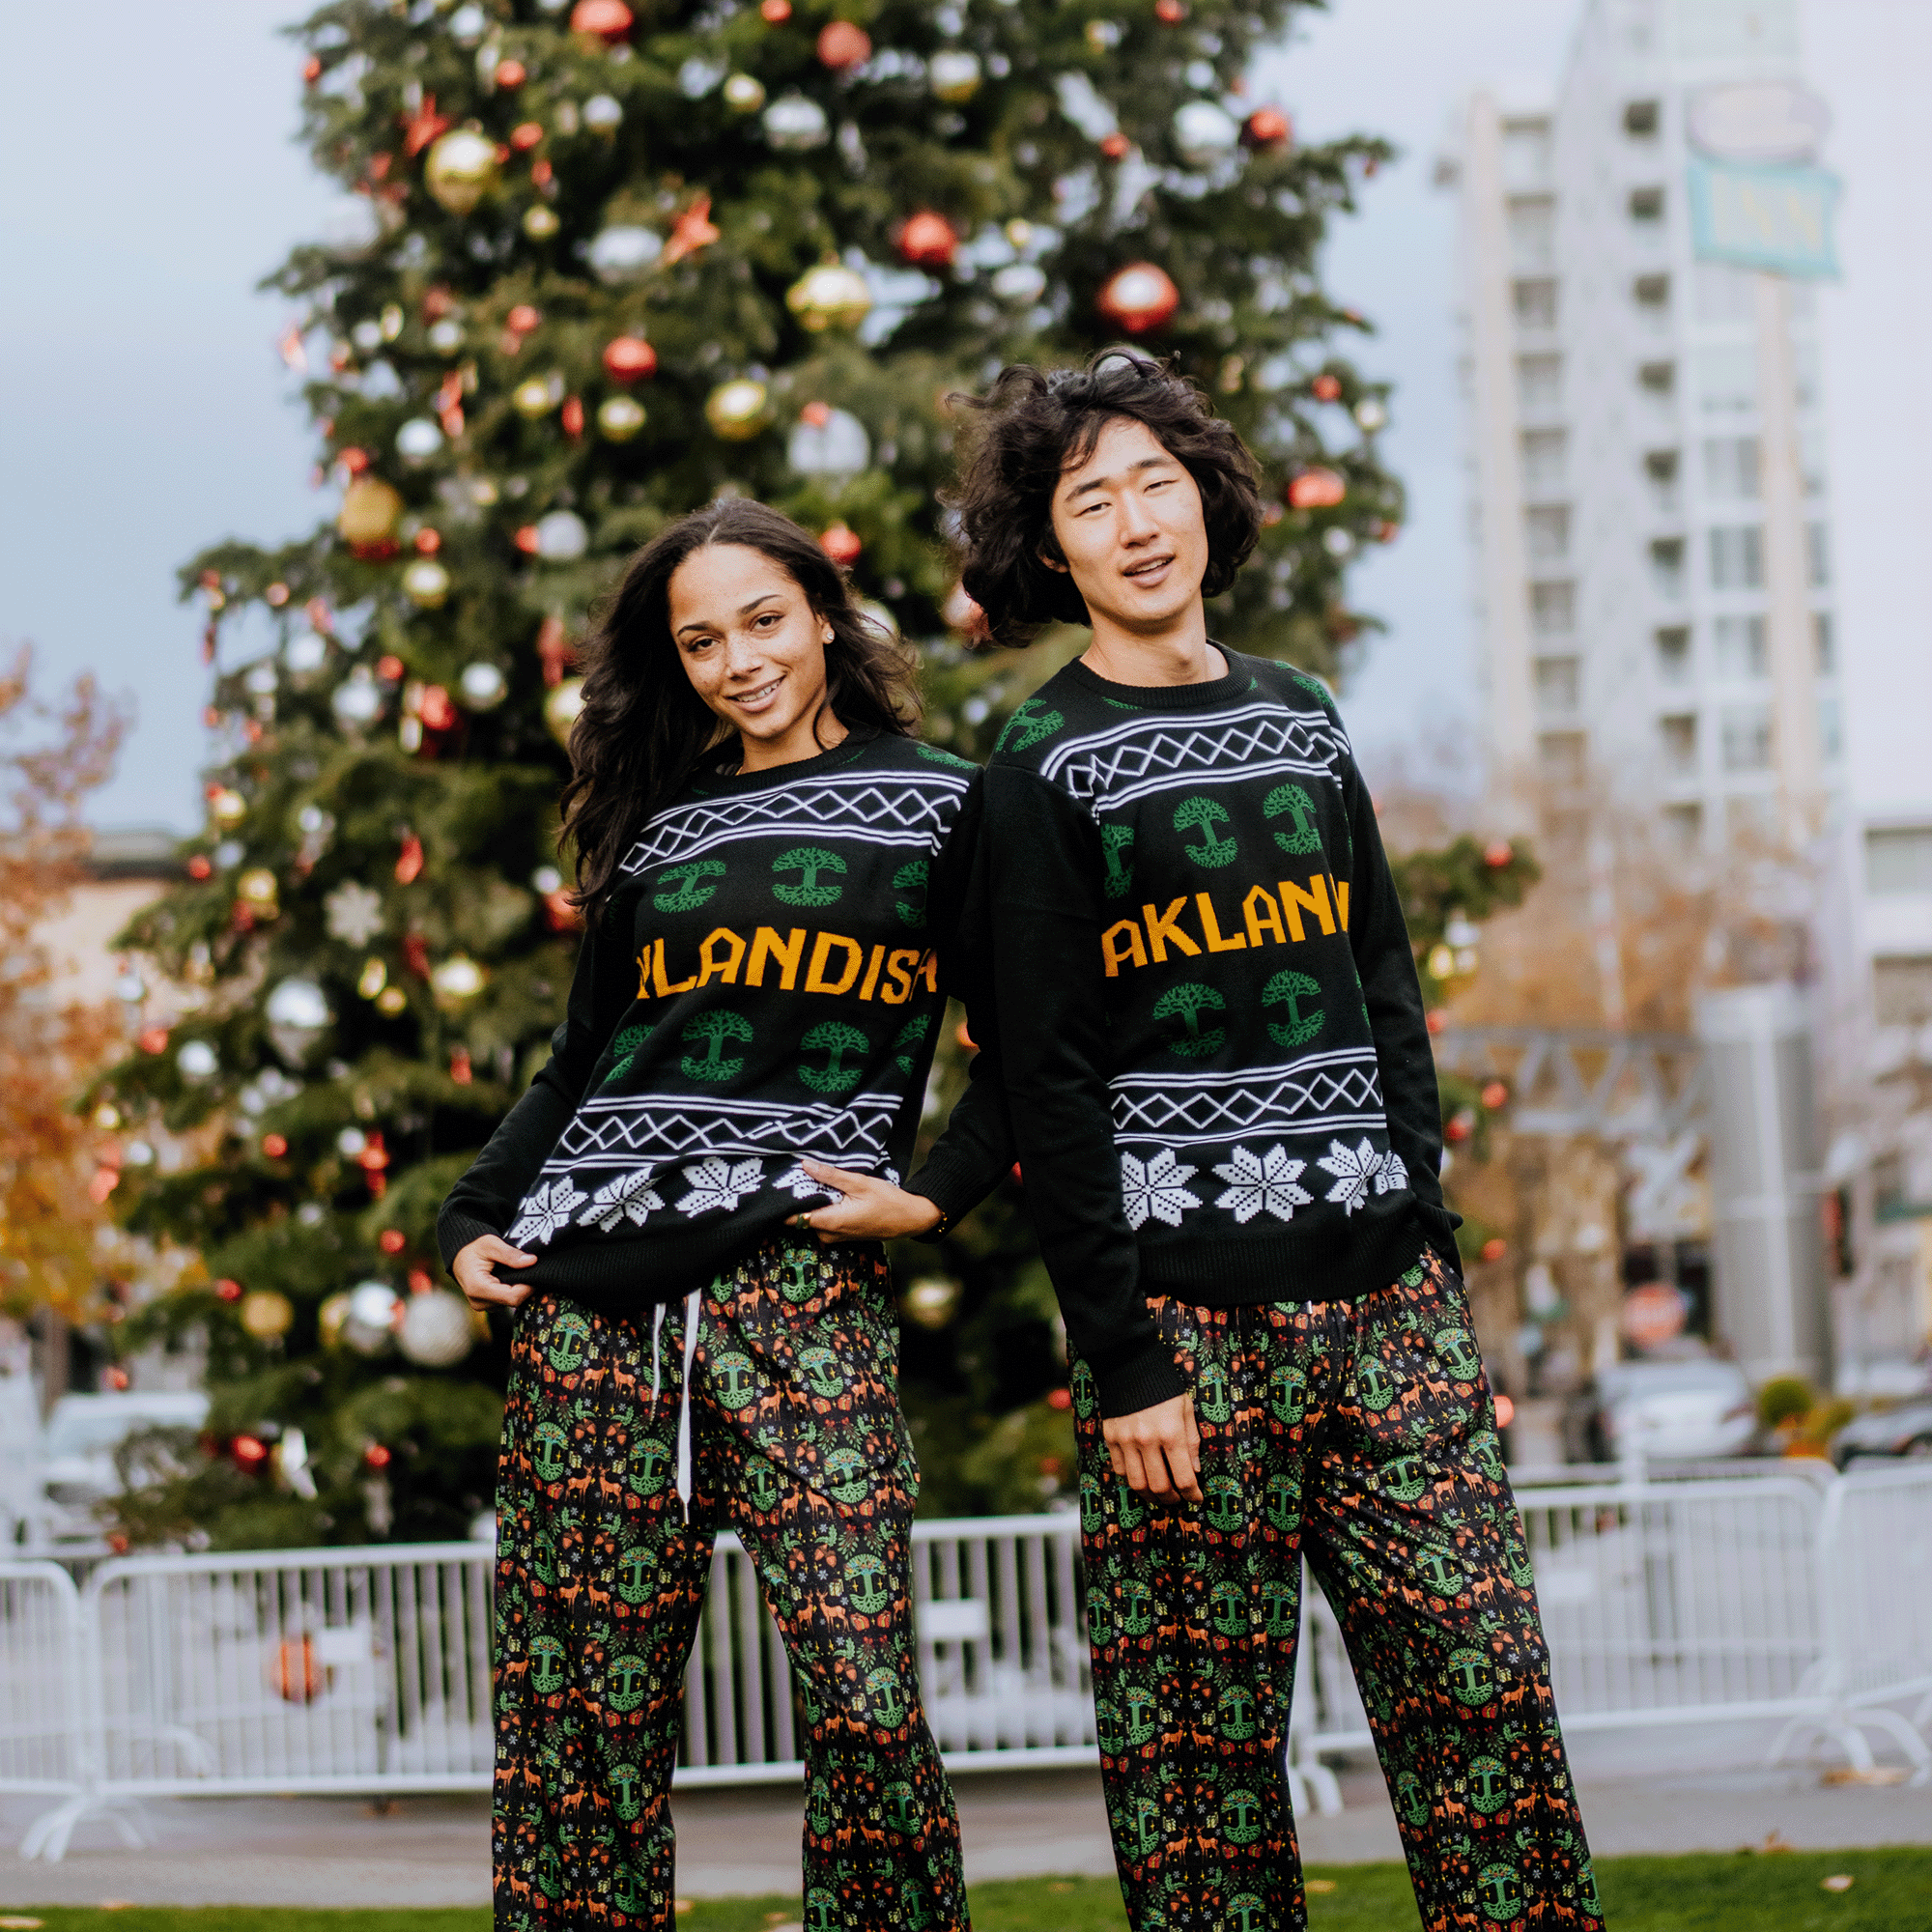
(613,262)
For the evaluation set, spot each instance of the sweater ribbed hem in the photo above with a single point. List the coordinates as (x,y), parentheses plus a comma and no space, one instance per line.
(1325,1264)
(1141,1381)
(455,1231)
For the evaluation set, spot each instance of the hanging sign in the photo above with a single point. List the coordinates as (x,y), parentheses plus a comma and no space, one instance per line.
(1778,218)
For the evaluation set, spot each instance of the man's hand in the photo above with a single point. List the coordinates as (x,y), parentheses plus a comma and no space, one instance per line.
(1158,1450)
(473,1269)
(869,1210)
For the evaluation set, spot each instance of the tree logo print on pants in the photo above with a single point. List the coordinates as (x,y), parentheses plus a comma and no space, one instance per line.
(888,1697)
(818,1808)
(1409,1800)
(821,1911)
(1279,1606)
(625,1683)
(1288,1395)
(846,1479)
(569,1338)
(1027,726)
(1186,1003)
(1241,1817)
(1443,1575)
(1107,1725)
(1226,1602)
(1085,1398)
(1234,1712)
(637,1575)
(688,878)
(808,860)
(1246,1913)
(1456,1350)
(822,1375)
(1202,814)
(732,1382)
(549,1871)
(762,1484)
(1283,1507)
(1405,1478)
(650,1465)
(912,878)
(631,1893)
(1138,1713)
(1090,1504)
(798,1276)
(546,1666)
(1373,1383)
(1289,990)
(1292,799)
(1210,1393)
(1488,1452)
(901,1807)
(1223,1504)
(713,1029)
(835,1039)
(625,1783)
(1488,1785)
(548,1453)
(1499,1893)
(1099,1617)
(1471,1678)
(1116,849)
(866,1585)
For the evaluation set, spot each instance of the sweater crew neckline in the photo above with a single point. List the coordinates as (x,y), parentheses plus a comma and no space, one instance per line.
(1169,697)
(710,782)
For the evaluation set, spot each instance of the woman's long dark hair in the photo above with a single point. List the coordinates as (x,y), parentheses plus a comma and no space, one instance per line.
(643,730)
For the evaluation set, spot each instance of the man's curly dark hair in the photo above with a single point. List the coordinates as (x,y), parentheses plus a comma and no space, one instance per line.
(1032,425)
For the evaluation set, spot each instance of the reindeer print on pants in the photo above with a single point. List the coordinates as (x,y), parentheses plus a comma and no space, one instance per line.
(1359,1435)
(798,1444)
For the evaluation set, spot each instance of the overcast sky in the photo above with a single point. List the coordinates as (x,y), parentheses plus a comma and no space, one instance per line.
(146,413)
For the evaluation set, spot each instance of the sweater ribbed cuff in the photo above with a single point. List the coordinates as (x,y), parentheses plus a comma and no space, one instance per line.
(455,1231)
(955,1187)
(1143,1380)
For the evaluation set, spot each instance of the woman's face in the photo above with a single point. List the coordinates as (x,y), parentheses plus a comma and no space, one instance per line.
(752,647)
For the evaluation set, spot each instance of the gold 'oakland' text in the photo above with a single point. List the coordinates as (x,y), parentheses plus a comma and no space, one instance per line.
(1277,918)
(830,963)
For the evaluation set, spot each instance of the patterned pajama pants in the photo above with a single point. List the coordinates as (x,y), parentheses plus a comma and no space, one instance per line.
(1363,1435)
(796,1440)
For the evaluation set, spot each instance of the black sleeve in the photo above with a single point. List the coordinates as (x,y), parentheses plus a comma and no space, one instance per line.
(485,1200)
(1385,964)
(977,1150)
(1043,886)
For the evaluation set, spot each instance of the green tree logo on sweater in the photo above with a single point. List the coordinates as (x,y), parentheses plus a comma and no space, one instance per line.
(625,1046)
(1186,1003)
(810,861)
(1289,990)
(835,1039)
(1201,813)
(714,1029)
(913,879)
(1292,799)
(910,1038)
(690,894)
(1027,726)
(1117,847)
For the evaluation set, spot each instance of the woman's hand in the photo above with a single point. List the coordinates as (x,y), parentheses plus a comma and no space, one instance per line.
(1158,1450)
(473,1269)
(869,1210)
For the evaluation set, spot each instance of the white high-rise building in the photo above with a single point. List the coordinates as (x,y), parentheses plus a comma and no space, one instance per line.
(1701,498)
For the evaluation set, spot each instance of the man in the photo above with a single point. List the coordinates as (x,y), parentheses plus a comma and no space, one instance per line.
(1225,1108)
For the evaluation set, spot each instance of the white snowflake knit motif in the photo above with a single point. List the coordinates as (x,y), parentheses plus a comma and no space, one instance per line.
(545,1212)
(716,1182)
(801,1185)
(1359,1168)
(629,1194)
(1262,1183)
(1156,1189)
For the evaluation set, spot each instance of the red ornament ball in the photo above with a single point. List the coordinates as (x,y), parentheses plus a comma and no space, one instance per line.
(524,136)
(275,1146)
(1115,146)
(816,415)
(376,1456)
(840,543)
(353,460)
(393,1240)
(389,667)
(774,13)
(249,1453)
(227,1290)
(1169,13)
(843,44)
(427,542)
(629,357)
(1494,1094)
(200,866)
(523,319)
(928,241)
(1267,130)
(1499,853)
(1327,389)
(608,19)
(1494,1248)
(1060,1398)
(1316,490)
(1139,298)
(511,73)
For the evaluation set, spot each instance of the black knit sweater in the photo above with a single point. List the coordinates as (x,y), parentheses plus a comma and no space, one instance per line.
(767,982)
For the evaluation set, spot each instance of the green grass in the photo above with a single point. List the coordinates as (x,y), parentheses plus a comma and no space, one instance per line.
(1742,1892)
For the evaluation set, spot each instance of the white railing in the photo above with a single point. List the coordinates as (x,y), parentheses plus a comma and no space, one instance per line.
(1664,1601)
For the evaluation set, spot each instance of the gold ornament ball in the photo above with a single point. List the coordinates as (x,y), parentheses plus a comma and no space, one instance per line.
(227,807)
(456,979)
(744,94)
(534,397)
(370,512)
(830,296)
(461,170)
(561,706)
(539,223)
(330,1317)
(390,1000)
(954,74)
(619,418)
(266,1314)
(736,411)
(257,889)
(426,583)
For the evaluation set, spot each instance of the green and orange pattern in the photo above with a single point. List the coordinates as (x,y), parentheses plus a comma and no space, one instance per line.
(798,1444)
(1361,1434)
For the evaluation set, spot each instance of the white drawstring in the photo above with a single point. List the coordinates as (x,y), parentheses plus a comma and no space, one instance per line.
(692,1304)
(656,1329)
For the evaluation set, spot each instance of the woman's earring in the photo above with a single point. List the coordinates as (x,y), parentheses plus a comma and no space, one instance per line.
(828,636)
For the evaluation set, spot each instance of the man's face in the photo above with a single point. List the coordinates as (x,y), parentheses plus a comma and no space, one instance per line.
(1130,524)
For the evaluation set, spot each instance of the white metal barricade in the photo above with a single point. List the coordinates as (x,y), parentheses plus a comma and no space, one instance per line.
(41,1673)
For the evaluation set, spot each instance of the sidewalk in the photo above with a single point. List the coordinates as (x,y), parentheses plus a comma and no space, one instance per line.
(1641,1792)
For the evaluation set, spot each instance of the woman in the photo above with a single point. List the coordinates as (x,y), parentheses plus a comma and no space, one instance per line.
(767,862)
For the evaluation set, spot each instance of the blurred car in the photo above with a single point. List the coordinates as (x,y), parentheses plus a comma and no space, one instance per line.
(1905,1431)
(76,1456)
(1684,1411)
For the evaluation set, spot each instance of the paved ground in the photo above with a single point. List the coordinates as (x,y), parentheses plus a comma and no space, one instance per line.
(1658,1791)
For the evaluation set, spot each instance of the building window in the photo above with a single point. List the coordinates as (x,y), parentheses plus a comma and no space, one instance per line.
(1666,567)
(1727,379)
(1558,684)
(1737,558)
(1678,739)
(1544,461)
(1658,380)
(1536,303)
(1652,292)
(1830,731)
(1660,466)
(1564,756)
(1811,459)
(1549,531)
(1684,826)
(1732,468)
(1818,553)
(1532,227)
(1902,991)
(1898,859)
(1745,738)
(1552,608)
(1525,152)
(1646,204)
(1824,644)
(1539,384)
(1673,654)
(1742,655)
(1643,119)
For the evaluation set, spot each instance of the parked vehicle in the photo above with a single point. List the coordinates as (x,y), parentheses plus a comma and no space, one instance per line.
(1904,1430)
(1694,1410)
(76,1469)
